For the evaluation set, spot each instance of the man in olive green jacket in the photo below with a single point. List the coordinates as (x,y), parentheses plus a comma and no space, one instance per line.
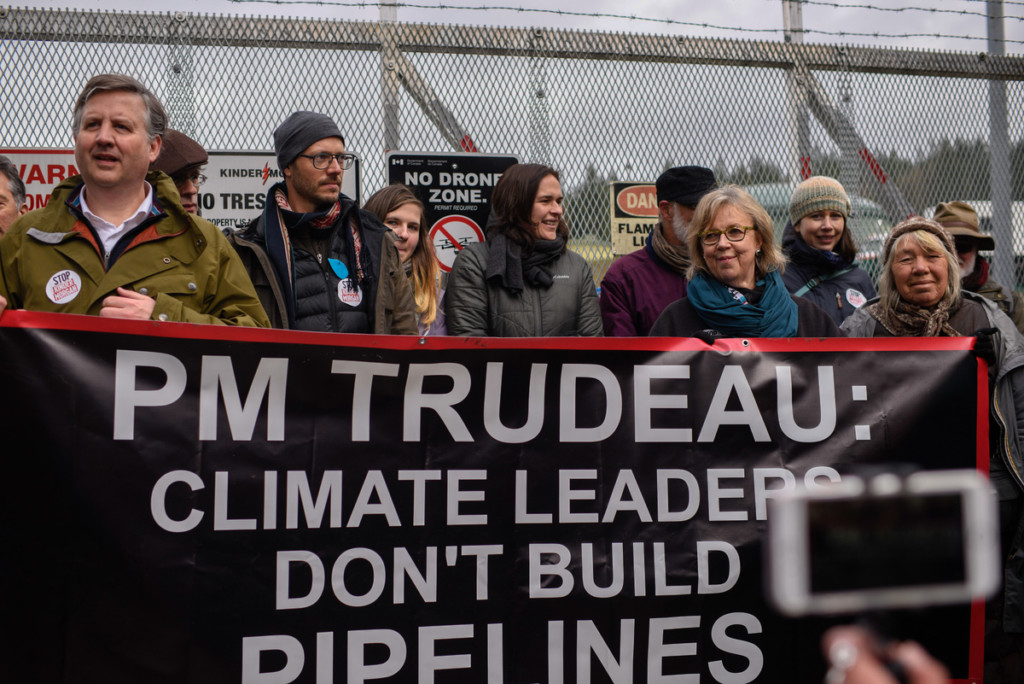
(115,241)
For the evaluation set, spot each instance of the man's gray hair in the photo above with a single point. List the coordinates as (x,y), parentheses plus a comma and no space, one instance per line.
(156,117)
(14,182)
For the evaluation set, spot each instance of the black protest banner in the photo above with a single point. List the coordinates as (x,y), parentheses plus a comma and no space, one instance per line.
(203,504)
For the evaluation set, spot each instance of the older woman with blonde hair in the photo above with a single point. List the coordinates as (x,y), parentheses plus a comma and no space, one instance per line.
(920,296)
(919,289)
(736,287)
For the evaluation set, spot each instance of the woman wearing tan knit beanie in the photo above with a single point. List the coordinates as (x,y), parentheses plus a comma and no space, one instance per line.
(821,250)
(921,296)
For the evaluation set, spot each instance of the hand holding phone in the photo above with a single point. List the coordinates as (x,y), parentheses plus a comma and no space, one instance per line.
(855,657)
(889,542)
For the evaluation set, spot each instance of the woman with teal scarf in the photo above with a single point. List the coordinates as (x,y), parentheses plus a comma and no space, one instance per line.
(736,287)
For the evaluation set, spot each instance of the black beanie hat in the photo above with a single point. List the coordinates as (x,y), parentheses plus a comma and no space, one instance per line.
(299,131)
(685,184)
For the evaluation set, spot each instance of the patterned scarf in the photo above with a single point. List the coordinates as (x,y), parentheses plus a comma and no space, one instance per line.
(910,320)
(320,222)
(676,258)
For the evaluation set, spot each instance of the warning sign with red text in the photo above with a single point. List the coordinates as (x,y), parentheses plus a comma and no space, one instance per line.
(634,215)
(42,171)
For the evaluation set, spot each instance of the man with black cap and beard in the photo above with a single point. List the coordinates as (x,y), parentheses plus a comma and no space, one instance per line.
(638,286)
(319,262)
(961,221)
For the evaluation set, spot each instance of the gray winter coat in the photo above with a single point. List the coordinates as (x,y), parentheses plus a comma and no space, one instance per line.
(477,307)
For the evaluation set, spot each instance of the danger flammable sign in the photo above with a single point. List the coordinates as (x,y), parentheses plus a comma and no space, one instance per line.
(634,213)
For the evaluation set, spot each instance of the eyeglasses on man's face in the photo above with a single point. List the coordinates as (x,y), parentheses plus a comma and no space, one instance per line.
(323,160)
(964,246)
(734,234)
(197,179)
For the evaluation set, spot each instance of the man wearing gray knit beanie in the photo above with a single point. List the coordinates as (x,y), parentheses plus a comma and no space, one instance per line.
(317,260)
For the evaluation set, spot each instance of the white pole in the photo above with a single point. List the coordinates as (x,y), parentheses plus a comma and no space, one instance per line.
(390,83)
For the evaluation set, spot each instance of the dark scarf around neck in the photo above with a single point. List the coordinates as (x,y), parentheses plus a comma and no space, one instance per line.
(505,262)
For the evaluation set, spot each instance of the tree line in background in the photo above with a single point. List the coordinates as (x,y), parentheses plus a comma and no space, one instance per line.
(957,169)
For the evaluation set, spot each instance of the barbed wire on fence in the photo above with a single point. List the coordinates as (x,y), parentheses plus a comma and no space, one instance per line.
(599,106)
(908,8)
(659,20)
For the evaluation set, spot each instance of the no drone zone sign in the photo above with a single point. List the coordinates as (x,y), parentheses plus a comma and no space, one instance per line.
(455,188)
(450,235)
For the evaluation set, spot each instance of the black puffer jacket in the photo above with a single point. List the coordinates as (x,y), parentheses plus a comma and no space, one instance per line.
(389,301)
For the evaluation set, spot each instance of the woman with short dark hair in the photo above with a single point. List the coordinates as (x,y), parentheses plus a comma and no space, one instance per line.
(523,281)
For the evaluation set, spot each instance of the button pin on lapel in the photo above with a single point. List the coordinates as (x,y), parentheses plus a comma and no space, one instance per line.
(339,268)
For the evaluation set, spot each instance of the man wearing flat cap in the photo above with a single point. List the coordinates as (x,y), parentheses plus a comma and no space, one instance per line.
(639,286)
(183,159)
(319,262)
(961,221)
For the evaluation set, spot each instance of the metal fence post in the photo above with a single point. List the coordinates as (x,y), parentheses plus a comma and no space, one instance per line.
(389,80)
(999,157)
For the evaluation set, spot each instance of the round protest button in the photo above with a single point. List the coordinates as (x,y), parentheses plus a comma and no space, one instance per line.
(63,286)
(450,234)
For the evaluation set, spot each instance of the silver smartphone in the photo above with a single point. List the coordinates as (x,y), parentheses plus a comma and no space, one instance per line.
(889,542)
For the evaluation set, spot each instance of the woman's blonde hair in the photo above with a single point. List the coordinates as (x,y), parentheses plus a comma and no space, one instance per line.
(770,257)
(424,272)
(889,295)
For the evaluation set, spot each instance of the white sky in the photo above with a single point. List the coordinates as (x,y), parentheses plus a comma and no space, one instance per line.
(943,17)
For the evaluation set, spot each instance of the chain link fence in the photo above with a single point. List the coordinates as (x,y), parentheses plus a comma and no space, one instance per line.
(901,129)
